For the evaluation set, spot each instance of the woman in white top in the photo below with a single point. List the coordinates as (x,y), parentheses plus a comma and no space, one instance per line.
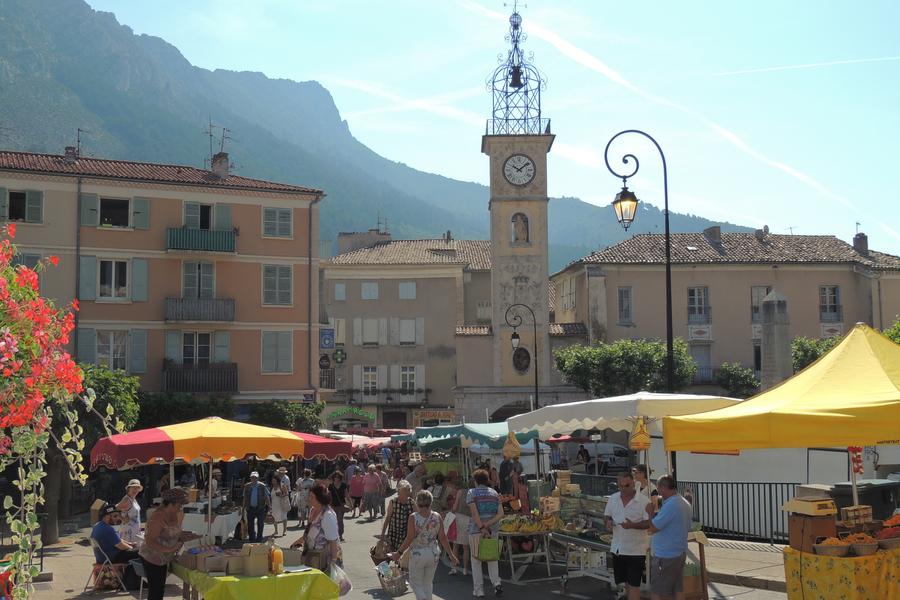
(304,484)
(281,499)
(424,538)
(130,528)
(320,540)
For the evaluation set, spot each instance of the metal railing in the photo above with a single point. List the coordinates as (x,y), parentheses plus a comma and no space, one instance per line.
(326,379)
(705,375)
(204,240)
(831,313)
(699,315)
(199,309)
(522,126)
(213,377)
(596,485)
(741,510)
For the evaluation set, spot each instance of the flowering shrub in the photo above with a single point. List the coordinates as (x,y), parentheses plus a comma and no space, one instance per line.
(39,380)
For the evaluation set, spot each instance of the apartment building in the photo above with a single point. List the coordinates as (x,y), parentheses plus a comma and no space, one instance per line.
(718,283)
(198,281)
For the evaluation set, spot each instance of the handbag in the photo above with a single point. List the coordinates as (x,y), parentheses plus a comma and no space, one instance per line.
(488,549)
(450,526)
(270,519)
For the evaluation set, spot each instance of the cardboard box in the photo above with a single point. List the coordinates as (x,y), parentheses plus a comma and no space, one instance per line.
(212,562)
(256,560)
(692,587)
(292,557)
(95,510)
(194,561)
(234,565)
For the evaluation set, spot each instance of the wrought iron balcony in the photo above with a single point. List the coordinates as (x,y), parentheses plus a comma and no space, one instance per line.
(202,240)
(831,313)
(326,379)
(199,309)
(705,375)
(213,377)
(699,315)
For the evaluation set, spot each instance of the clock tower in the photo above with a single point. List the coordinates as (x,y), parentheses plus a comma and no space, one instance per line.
(517,139)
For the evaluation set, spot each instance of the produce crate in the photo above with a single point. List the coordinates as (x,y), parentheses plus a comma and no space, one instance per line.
(856,515)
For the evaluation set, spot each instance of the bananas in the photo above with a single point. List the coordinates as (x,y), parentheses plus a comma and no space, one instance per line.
(530,524)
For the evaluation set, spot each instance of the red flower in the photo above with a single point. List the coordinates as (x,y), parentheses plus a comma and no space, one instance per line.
(54,260)
(11,230)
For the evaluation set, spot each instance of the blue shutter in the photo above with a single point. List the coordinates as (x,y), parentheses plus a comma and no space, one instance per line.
(87,345)
(285,351)
(90,211)
(222,351)
(139,279)
(269,351)
(87,286)
(173,347)
(138,351)
(140,213)
(223,217)
(2,204)
(34,206)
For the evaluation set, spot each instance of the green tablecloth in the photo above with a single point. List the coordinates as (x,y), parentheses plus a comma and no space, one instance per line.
(309,585)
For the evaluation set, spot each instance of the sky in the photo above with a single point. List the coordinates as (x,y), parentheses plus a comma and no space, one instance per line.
(784,114)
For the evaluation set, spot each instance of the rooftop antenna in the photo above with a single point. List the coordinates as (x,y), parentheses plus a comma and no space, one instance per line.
(223,139)
(385,225)
(857,226)
(791,229)
(210,132)
(78,133)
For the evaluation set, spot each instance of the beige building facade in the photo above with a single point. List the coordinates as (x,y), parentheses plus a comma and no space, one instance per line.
(196,281)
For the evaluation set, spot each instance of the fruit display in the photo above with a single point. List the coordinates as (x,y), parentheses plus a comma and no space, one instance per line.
(529,523)
(893,521)
(888,533)
(833,541)
(860,538)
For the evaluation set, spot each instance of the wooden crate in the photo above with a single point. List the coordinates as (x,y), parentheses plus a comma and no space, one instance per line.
(856,515)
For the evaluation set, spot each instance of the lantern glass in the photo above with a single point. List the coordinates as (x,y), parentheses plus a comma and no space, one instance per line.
(515,339)
(625,206)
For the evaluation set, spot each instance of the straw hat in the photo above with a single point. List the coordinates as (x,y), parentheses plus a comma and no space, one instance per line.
(282,469)
(134,483)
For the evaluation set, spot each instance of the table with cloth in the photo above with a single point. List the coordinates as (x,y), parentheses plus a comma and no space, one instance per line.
(222,525)
(308,585)
(814,577)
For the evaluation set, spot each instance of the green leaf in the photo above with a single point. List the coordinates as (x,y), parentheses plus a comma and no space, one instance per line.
(7,502)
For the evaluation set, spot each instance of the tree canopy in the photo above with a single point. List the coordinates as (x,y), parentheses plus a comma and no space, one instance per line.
(293,416)
(168,408)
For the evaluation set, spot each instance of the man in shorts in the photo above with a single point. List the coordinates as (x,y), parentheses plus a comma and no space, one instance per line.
(670,529)
(627,517)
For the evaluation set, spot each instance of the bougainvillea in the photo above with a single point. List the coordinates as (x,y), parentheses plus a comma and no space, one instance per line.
(39,379)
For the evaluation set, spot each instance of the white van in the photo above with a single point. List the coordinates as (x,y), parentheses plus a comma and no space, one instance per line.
(616,456)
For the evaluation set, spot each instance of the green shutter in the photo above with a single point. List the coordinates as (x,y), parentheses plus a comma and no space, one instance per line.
(285,351)
(87,345)
(269,351)
(2,204)
(139,279)
(206,280)
(90,210)
(174,347)
(189,280)
(222,347)
(140,213)
(87,286)
(138,351)
(34,206)
(192,215)
(223,217)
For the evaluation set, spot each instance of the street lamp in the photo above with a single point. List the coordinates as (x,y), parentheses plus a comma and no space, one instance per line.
(514,320)
(625,206)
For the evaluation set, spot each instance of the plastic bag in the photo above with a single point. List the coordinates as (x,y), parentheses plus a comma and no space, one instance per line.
(488,549)
(340,577)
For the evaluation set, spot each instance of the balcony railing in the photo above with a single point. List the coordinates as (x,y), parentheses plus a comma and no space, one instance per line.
(203,240)
(199,309)
(831,313)
(705,375)
(326,379)
(213,377)
(699,315)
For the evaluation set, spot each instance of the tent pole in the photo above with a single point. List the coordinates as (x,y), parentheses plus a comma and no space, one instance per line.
(172,474)
(209,501)
(853,486)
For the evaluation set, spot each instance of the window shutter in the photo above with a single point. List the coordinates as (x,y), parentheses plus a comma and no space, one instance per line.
(420,377)
(270,284)
(139,279)
(138,351)
(381,373)
(284,222)
(34,206)
(140,213)
(357,331)
(269,351)
(270,222)
(420,331)
(382,332)
(394,334)
(285,285)
(395,377)
(87,345)
(357,377)
(222,347)
(285,351)
(90,212)
(192,215)
(340,331)
(174,348)
(87,286)
(189,279)
(206,280)
(3,204)
(223,217)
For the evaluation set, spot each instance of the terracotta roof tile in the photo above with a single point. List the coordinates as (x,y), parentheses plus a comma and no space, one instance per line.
(53,164)
(474,254)
(564,329)
(473,330)
(698,248)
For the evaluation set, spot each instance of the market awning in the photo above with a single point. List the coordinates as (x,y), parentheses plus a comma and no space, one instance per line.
(493,435)
(320,446)
(849,397)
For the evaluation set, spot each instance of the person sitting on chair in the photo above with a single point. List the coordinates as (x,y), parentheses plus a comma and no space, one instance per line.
(108,540)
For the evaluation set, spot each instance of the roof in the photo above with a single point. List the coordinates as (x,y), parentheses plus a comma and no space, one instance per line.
(747,248)
(554,329)
(53,164)
(474,254)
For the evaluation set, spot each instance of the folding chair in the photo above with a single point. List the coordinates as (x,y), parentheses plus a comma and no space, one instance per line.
(106,565)
(138,566)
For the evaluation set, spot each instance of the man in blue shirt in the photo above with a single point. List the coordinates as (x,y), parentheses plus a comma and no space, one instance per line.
(104,533)
(670,529)
(256,507)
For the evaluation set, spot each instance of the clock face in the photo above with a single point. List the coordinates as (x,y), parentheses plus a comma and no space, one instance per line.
(518,169)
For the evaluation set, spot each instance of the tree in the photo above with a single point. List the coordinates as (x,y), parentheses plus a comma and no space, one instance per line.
(805,351)
(166,408)
(737,381)
(624,366)
(893,332)
(293,416)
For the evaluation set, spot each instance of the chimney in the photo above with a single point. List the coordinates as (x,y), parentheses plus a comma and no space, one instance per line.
(448,237)
(713,234)
(71,155)
(861,243)
(220,164)
(777,364)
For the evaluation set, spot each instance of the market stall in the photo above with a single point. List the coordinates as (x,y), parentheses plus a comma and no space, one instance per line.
(850,397)
(304,585)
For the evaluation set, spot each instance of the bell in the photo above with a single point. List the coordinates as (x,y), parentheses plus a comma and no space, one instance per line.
(516,80)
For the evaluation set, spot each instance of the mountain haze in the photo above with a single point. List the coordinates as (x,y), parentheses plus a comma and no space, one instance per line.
(65,66)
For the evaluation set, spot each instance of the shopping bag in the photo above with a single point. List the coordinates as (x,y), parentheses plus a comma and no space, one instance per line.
(488,549)
(338,576)
(450,526)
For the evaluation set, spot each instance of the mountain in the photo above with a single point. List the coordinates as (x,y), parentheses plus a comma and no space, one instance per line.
(65,66)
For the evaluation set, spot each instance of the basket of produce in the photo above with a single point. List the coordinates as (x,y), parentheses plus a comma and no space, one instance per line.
(392,578)
(862,544)
(379,552)
(889,537)
(832,547)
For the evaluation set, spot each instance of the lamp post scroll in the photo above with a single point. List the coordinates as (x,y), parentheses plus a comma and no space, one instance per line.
(514,320)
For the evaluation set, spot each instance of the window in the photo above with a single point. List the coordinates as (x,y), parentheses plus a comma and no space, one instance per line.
(701,355)
(830,304)
(370,290)
(16,206)
(407,379)
(757,293)
(625,311)
(195,348)
(197,216)
(111,349)
(198,279)
(31,261)
(370,381)
(407,290)
(113,279)
(483,310)
(340,291)
(567,297)
(277,222)
(519,229)
(370,332)
(407,332)
(114,212)
(22,206)
(277,352)
(757,359)
(698,305)
(277,284)
(340,331)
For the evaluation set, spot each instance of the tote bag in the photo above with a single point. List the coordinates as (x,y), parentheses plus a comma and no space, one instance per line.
(488,549)
(450,526)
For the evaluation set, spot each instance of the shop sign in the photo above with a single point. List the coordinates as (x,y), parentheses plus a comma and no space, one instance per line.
(352,410)
(640,437)
(326,338)
(324,362)
(832,330)
(699,333)
(339,356)
(441,416)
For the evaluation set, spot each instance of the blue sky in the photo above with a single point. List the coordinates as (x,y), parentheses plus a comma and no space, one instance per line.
(777,113)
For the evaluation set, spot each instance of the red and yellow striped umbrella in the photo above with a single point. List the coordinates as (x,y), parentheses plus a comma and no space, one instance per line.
(212,438)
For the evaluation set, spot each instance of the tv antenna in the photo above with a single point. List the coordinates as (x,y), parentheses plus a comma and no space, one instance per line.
(857,226)
(78,133)
(791,229)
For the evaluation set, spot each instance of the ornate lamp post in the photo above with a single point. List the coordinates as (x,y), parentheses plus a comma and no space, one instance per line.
(514,320)
(625,206)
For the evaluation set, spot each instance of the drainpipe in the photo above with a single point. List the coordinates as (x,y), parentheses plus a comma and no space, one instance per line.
(77,260)
(309,273)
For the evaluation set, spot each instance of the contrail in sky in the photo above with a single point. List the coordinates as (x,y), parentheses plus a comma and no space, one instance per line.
(830,63)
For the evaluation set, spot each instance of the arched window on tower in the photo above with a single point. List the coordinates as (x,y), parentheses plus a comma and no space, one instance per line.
(520,234)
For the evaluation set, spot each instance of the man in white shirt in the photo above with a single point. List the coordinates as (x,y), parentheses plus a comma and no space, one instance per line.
(626,517)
